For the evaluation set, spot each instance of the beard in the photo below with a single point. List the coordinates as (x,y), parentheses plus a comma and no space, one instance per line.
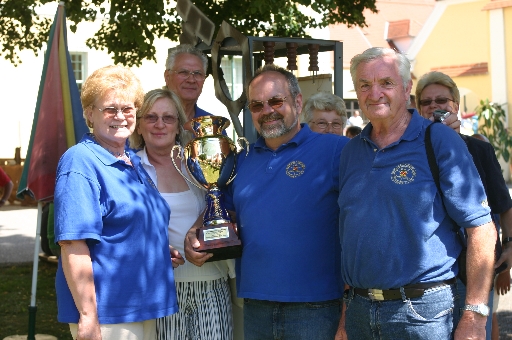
(277,130)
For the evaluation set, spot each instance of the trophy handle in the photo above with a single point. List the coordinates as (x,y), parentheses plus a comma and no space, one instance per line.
(180,156)
(239,139)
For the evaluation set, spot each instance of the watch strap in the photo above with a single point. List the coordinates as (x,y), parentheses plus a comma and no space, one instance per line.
(481,309)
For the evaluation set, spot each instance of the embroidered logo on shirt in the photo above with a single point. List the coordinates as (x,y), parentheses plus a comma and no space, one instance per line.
(295,169)
(403,174)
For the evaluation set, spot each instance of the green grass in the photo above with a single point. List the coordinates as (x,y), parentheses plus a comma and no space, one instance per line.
(15,288)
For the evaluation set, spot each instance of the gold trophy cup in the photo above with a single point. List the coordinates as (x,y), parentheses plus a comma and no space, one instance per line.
(210,160)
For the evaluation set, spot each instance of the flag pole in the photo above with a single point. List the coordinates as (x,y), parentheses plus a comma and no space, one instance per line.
(32,309)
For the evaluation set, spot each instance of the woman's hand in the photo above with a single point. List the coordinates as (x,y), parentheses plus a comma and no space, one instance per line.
(88,328)
(176,257)
(452,121)
(503,282)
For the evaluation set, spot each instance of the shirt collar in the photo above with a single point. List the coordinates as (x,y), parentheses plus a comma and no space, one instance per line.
(412,131)
(103,155)
(144,157)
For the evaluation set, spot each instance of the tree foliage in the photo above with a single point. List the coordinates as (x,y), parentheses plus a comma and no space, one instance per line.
(494,128)
(129,27)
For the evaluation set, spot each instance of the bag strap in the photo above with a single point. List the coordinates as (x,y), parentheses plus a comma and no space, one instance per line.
(434,169)
(432,162)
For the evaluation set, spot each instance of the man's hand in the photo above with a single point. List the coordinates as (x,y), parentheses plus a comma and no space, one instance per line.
(471,326)
(176,257)
(341,333)
(191,243)
(191,254)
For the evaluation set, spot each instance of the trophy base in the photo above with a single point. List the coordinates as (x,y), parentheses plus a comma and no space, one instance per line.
(220,240)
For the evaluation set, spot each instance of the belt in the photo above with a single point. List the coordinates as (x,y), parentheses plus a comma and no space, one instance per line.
(411,291)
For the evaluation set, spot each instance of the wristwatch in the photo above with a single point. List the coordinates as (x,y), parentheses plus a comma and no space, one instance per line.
(480,309)
(506,240)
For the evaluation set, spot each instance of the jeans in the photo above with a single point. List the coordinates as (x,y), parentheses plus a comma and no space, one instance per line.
(291,320)
(430,316)
(461,290)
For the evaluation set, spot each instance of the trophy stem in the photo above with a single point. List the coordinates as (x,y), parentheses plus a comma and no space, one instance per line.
(215,212)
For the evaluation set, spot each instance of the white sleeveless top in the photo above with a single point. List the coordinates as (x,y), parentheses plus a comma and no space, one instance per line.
(186,206)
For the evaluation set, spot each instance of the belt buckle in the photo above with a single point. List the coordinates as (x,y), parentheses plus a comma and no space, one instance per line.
(376,294)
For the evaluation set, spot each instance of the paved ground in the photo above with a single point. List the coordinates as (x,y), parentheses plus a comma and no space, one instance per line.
(18,230)
(17,233)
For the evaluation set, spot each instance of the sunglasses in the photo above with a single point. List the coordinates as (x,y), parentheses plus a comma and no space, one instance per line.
(257,105)
(151,119)
(441,100)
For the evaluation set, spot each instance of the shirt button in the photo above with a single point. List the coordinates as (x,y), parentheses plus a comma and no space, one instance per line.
(270,168)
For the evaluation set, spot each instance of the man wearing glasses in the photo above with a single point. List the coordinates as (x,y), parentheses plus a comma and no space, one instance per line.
(185,72)
(284,196)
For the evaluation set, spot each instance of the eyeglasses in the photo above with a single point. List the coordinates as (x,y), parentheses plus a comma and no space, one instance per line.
(440,100)
(257,105)
(384,85)
(111,111)
(151,119)
(185,74)
(322,125)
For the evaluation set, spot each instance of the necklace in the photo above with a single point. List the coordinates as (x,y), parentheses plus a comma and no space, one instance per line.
(122,156)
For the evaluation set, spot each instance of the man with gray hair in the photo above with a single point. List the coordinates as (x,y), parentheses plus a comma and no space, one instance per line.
(185,73)
(398,233)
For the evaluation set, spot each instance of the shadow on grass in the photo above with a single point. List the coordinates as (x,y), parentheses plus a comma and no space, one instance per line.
(15,288)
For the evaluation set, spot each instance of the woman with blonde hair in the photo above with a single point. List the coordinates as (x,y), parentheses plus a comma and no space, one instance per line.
(115,276)
(203,292)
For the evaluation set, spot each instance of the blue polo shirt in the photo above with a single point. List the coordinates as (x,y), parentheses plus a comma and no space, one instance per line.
(200,112)
(394,228)
(287,215)
(120,214)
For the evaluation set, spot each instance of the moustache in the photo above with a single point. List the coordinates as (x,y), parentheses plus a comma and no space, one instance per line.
(270,117)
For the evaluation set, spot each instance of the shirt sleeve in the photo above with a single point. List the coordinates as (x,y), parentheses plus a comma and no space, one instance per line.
(77,208)
(463,192)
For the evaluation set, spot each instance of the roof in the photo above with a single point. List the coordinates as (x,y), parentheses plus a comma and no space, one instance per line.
(394,20)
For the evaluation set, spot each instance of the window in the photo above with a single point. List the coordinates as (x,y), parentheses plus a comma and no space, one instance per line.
(79,65)
(232,68)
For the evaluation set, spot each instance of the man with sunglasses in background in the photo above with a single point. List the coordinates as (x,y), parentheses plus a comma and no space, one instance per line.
(285,198)
(185,72)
